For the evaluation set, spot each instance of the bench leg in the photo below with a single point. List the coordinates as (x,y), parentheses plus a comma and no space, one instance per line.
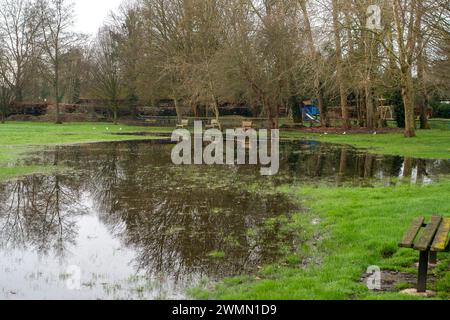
(423,271)
(433,257)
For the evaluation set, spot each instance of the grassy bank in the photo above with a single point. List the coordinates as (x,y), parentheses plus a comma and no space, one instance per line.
(429,144)
(359,227)
(18,138)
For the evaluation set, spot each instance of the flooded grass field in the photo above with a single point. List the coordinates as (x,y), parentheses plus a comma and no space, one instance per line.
(138,227)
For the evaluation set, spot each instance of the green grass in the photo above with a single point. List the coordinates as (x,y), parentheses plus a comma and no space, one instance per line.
(18,138)
(217,255)
(440,124)
(360,227)
(429,144)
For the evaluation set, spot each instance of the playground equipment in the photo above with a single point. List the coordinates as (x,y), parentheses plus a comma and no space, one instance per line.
(310,112)
(385,112)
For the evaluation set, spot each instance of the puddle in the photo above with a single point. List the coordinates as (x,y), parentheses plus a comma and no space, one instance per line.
(138,227)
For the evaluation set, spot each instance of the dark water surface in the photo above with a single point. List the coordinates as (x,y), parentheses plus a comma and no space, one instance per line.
(138,227)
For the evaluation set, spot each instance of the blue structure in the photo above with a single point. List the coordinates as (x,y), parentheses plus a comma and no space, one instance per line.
(310,112)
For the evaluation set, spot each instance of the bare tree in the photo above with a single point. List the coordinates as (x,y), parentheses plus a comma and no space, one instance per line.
(315,56)
(18,30)
(339,63)
(57,40)
(127,26)
(263,53)
(107,80)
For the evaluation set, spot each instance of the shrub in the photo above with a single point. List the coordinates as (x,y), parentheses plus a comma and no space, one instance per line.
(396,101)
(441,110)
(297,108)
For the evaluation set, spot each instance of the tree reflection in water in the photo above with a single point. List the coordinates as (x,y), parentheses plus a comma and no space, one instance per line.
(40,212)
(175,217)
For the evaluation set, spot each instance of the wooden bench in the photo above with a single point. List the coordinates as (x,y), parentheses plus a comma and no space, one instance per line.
(247,125)
(151,121)
(215,124)
(428,239)
(183,124)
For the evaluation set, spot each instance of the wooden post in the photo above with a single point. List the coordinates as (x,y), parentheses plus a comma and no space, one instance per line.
(433,257)
(423,271)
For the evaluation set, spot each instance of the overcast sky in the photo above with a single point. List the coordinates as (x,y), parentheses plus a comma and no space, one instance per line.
(90,14)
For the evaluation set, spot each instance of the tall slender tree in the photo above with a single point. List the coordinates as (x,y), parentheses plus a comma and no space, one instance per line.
(57,40)
(106,78)
(19,28)
(340,63)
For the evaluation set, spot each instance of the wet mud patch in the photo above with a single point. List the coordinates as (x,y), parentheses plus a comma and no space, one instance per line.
(393,281)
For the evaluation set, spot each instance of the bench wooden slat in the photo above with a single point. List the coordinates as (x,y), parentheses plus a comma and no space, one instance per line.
(184,123)
(247,124)
(441,239)
(411,234)
(427,237)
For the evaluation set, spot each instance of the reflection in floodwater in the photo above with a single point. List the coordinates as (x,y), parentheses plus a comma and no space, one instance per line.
(141,228)
(40,213)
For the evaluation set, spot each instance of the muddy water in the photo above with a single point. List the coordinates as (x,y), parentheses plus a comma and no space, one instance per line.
(137,227)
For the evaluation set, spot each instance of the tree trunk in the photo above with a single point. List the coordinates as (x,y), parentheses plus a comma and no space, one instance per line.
(407,94)
(405,57)
(339,66)
(342,165)
(115,113)
(58,113)
(178,110)
(368,87)
(368,166)
(360,105)
(215,106)
(277,118)
(370,109)
(56,84)
(424,100)
(268,112)
(408,168)
(315,57)
(421,69)
(194,108)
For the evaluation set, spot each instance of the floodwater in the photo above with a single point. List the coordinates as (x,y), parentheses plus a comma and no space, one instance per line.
(124,223)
